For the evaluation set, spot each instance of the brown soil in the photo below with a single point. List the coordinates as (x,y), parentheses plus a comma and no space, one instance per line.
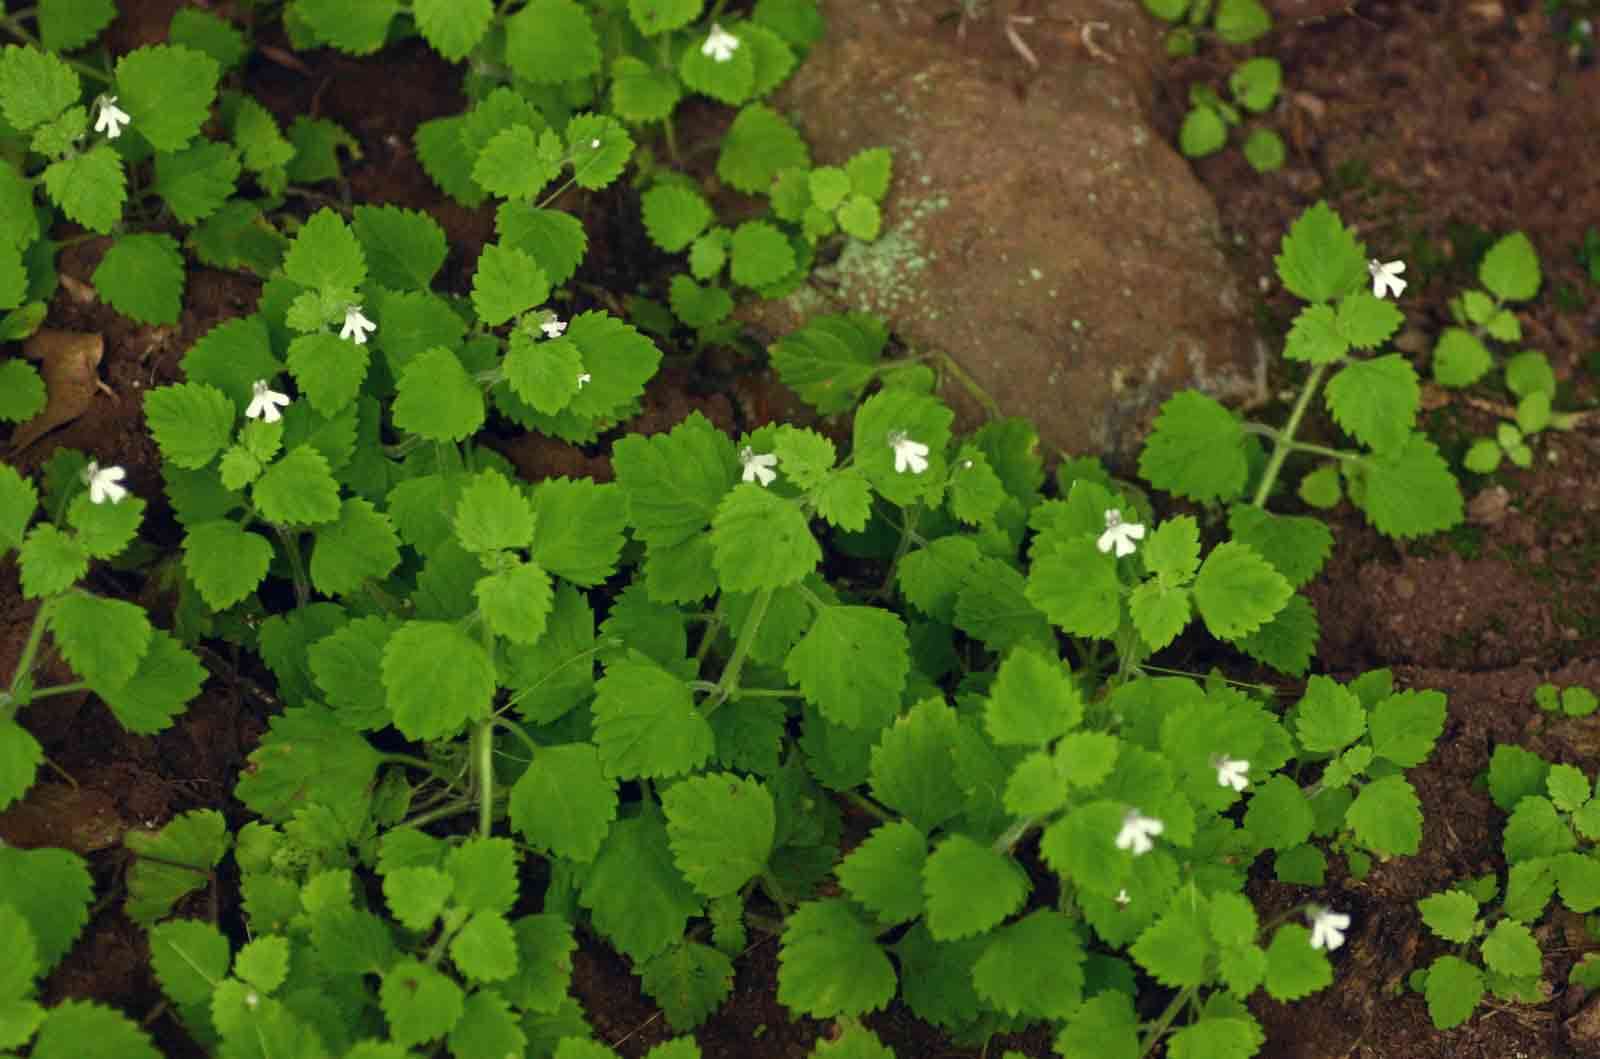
(1427,124)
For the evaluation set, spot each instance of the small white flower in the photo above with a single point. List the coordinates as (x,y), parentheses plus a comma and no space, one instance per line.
(758,468)
(1386,275)
(908,455)
(110,118)
(594,144)
(264,403)
(720,45)
(103,483)
(1119,534)
(552,326)
(1137,831)
(356,325)
(1231,772)
(1122,898)
(1327,927)
(584,379)
(252,1000)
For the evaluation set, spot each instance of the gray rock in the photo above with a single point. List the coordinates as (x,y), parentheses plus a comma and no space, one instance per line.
(1037,230)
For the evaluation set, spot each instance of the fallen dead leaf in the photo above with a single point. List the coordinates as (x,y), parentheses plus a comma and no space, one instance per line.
(70,364)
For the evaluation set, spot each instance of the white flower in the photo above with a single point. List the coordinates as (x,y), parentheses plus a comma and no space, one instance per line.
(908,455)
(720,45)
(594,144)
(1231,772)
(1137,831)
(111,118)
(1119,534)
(1386,276)
(356,325)
(584,379)
(552,326)
(264,403)
(103,483)
(1122,898)
(1327,927)
(758,468)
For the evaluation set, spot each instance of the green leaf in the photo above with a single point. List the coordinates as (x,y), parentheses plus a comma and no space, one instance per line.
(883,874)
(578,528)
(90,188)
(1033,968)
(1242,21)
(831,360)
(429,700)
(674,214)
(829,964)
(1529,373)
(195,182)
(35,86)
(404,249)
(642,93)
(518,162)
(1255,83)
(225,563)
(1453,989)
(348,668)
(51,888)
(515,601)
(761,254)
(636,897)
(757,146)
(51,561)
(971,888)
(1579,877)
(852,663)
(675,481)
(1033,701)
(730,79)
(326,255)
(550,41)
(1315,337)
(453,27)
(309,756)
(419,1002)
(190,956)
(173,862)
(1203,132)
(1511,269)
(1410,491)
(1386,817)
(1453,915)
(1320,259)
(1294,969)
(191,422)
(1460,358)
(1237,591)
(507,282)
(914,767)
(1511,950)
(168,90)
(1196,449)
(167,679)
(298,490)
(20,757)
(598,148)
(141,276)
(563,803)
(360,545)
(1405,726)
(1329,716)
(689,981)
(81,1029)
(698,306)
(101,639)
(1365,321)
(437,398)
(1535,830)
(1515,773)
(654,17)
(263,962)
(211,34)
(1077,588)
(721,829)
(1174,948)
(761,541)
(18,501)
(646,723)
(1376,401)
(1279,816)
(355,26)
(493,515)
(545,374)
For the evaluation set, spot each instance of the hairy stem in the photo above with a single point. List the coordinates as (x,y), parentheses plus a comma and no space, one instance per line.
(1285,439)
(728,686)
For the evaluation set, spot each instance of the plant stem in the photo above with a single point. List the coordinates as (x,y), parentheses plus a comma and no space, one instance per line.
(908,530)
(483,769)
(1013,834)
(1285,439)
(728,686)
(297,567)
(867,805)
(1273,434)
(1161,1024)
(14,696)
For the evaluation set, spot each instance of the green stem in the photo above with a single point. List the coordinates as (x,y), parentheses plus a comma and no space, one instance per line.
(516,730)
(1274,435)
(1159,1028)
(483,767)
(412,761)
(1013,834)
(14,694)
(709,636)
(728,686)
(908,530)
(1284,441)
(443,812)
(771,693)
(866,805)
(297,566)
(59,689)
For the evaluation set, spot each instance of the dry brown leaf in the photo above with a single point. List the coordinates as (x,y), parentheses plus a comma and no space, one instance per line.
(70,364)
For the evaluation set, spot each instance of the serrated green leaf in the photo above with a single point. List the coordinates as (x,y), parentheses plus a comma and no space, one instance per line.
(760,254)
(431,701)
(309,756)
(195,182)
(1320,259)
(52,561)
(690,982)
(1237,591)
(1453,989)
(761,540)
(404,249)
(515,601)
(453,27)
(101,639)
(829,964)
(1033,968)
(1511,269)
(646,722)
(517,163)
(563,803)
(1515,773)
(20,758)
(420,1003)
(1376,401)
(1315,337)
(674,215)
(1033,701)
(190,957)
(852,663)
(884,872)
(1405,726)
(141,276)
(1510,949)
(35,86)
(1453,915)
(1365,321)
(914,768)
(642,93)
(348,668)
(507,281)
(1196,449)
(173,862)
(1279,816)
(81,1029)
(326,255)
(1077,588)
(720,828)
(970,888)
(437,399)
(636,897)
(598,149)
(225,563)
(1386,817)
(360,545)
(299,489)
(830,360)
(167,679)
(1460,358)
(550,41)
(758,145)
(1410,490)
(90,188)
(493,515)
(18,502)
(1295,969)
(168,90)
